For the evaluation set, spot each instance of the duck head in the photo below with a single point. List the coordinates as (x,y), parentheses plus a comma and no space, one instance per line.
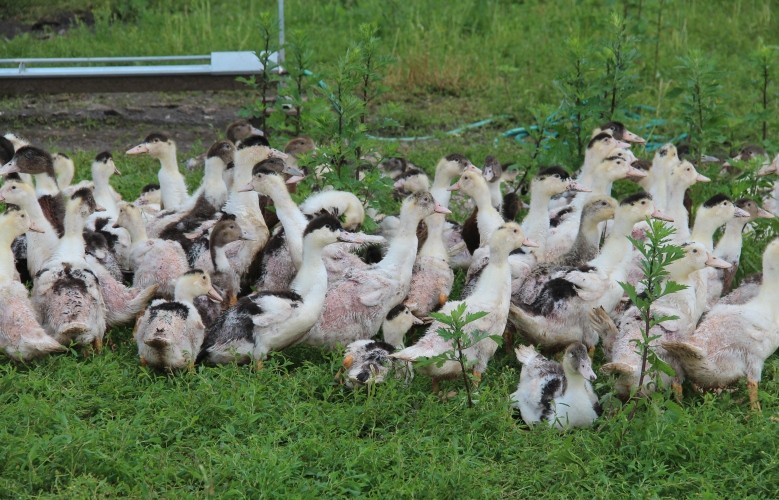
(719,210)
(599,208)
(619,132)
(600,147)
(16,192)
(195,283)
(367,362)
(104,166)
(493,170)
(695,258)
(150,193)
(394,166)
(241,130)
(83,203)
(420,205)
(553,181)
(397,322)
(155,145)
(638,207)
(224,150)
(265,180)
(226,231)
(298,146)
(450,166)
(128,215)
(576,362)
(685,175)
(326,229)
(753,209)
(29,160)
(15,222)
(619,166)
(411,181)
(509,236)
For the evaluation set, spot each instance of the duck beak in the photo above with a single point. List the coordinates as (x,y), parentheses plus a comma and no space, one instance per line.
(248,187)
(634,173)
(99,208)
(290,170)
(9,168)
(295,179)
(213,295)
(398,184)
(417,321)
(255,131)
(138,150)
(35,228)
(709,159)
(454,187)
(623,144)
(348,237)
(529,243)
(575,186)
(473,168)
(657,214)
(764,214)
(440,209)
(275,153)
(740,212)
(713,261)
(587,373)
(631,137)
(116,171)
(702,178)
(246,237)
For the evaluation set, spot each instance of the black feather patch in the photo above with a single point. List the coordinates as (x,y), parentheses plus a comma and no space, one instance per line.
(470,232)
(617,129)
(644,165)
(103,157)
(150,187)
(193,271)
(254,140)
(411,172)
(263,168)
(633,198)
(600,137)
(371,253)
(325,220)
(455,157)
(553,170)
(176,308)
(553,291)
(156,136)
(547,396)
(71,279)
(53,208)
(716,199)
(395,311)
(559,217)
(6,151)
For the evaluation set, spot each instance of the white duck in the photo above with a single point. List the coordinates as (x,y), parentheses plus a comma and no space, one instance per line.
(269,321)
(64,168)
(558,393)
(356,305)
(492,295)
(21,336)
(170,332)
(172,185)
(733,341)
(620,344)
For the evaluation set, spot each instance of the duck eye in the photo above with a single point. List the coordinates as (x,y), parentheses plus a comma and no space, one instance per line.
(694,251)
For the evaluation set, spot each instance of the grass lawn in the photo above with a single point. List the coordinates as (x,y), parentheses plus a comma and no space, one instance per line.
(83,425)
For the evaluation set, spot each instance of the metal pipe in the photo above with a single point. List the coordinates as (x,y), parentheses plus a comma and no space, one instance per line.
(102,59)
(281,33)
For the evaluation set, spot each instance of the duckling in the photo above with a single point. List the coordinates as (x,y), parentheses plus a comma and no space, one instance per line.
(170,333)
(173,188)
(556,316)
(39,164)
(560,394)
(356,305)
(685,305)
(66,293)
(150,199)
(431,278)
(240,130)
(341,203)
(64,169)
(411,181)
(733,341)
(492,295)
(270,321)
(729,246)
(21,336)
(223,276)
(22,194)
(153,261)
(397,323)
(368,361)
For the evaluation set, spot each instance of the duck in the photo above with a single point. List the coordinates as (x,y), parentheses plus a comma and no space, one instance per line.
(38,163)
(681,177)
(619,132)
(152,260)
(23,195)
(368,362)
(149,200)
(273,320)
(560,394)
(212,193)
(170,332)
(431,277)
(473,183)
(491,295)
(240,130)
(343,204)
(173,188)
(399,320)
(117,239)
(411,181)
(619,342)
(771,203)
(729,246)
(223,276)
(665,158)
(356,304)
(66,292)
(732,342)
(21,336)
(556,315)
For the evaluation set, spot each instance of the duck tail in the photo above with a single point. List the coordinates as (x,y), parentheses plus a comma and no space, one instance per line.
(525,353)
(135,301)
(411,354)
(157,342)
(618,368)
(602,324)
(683,350)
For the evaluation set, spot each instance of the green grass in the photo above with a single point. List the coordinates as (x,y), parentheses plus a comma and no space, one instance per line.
(100,425)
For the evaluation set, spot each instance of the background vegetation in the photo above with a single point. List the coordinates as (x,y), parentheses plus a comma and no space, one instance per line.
(700,73)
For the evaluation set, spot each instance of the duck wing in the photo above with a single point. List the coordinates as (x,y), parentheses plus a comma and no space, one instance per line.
(540,382)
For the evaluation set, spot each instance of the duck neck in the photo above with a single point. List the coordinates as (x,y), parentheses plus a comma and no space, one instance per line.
(574,379)
(617,247)
(496,196)
(30,205)
(729,246)
(71,245)
(440,187)
(589,232)
(536,223)
(496,276)
(703,232)
(311,280)
(168,162)
(293,221)
(137,229)
(434,244)
(184,294)
(219,258)
(45,184)
(7,261)
(213,182)
(402,250)
(103,195)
